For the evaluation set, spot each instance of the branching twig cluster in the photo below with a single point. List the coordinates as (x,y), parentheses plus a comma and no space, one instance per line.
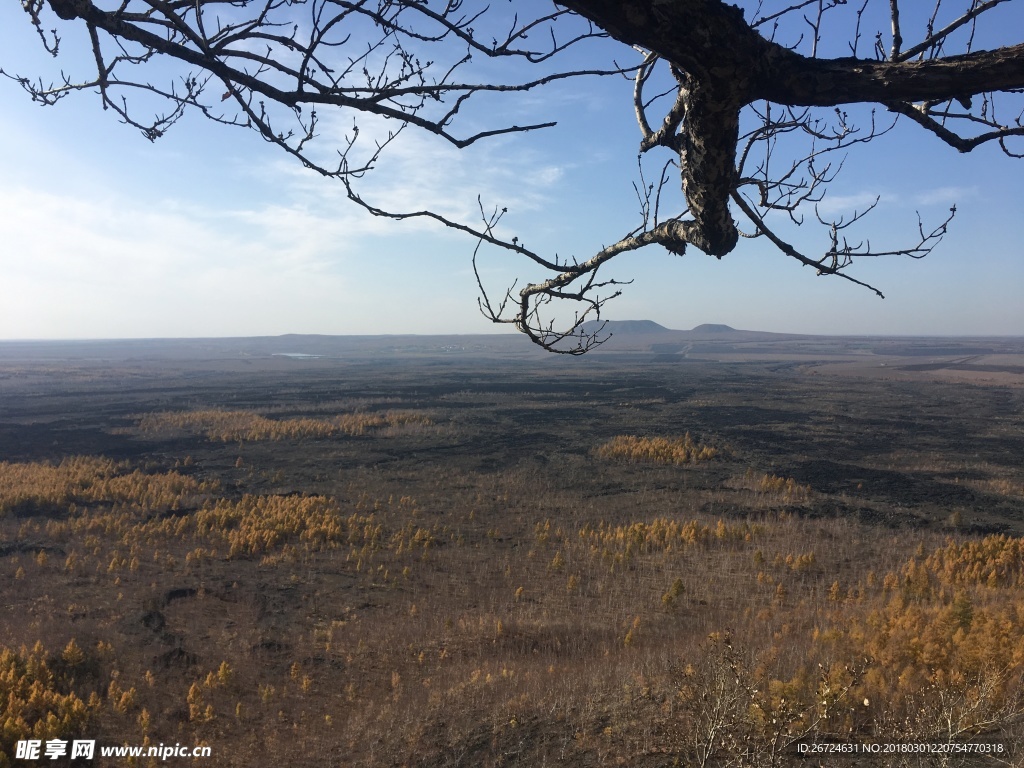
(736,717)
(749,123)
(788,157)
(366,57)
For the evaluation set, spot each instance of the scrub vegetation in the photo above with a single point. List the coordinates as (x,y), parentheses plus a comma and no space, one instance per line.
(492,574)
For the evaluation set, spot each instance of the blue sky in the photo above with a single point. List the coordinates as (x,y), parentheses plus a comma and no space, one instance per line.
(212,232)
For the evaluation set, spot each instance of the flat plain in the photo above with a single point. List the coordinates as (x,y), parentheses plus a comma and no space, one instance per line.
(693,548)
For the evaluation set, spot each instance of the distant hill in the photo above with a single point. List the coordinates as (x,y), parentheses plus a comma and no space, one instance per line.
(648,327)
(623,327)
(648,336)
(713,328)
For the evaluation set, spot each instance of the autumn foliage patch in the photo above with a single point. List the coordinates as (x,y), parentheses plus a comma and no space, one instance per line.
(659,450)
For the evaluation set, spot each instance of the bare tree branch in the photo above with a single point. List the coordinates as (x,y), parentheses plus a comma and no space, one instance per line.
(757,130)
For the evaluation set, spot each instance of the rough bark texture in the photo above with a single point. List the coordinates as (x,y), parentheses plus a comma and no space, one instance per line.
(800,81)
(711,41)
(705,38)
(708,161)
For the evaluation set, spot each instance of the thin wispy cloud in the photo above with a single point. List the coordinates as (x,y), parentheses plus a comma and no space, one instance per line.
(417,171)
(950,195)
(199,267)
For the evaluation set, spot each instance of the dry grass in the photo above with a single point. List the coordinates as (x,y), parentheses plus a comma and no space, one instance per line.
(229,426)
(401,599)
(396,640)
(659,450)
